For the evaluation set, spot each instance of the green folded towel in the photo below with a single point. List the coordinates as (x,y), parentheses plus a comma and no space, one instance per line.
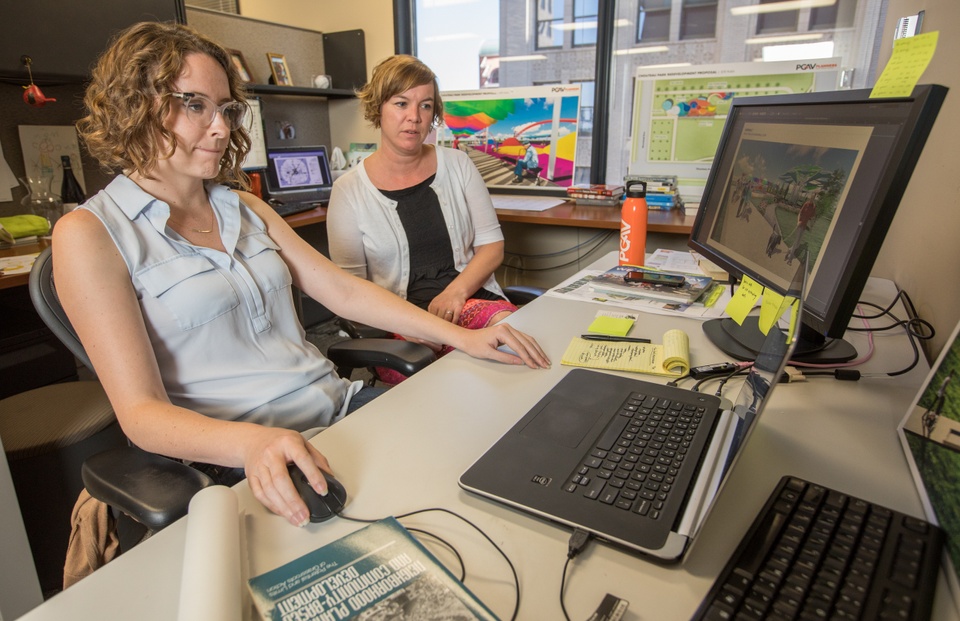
(25,225)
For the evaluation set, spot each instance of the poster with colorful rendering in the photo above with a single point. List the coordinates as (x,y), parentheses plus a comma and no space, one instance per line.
(679,112)
(517,137)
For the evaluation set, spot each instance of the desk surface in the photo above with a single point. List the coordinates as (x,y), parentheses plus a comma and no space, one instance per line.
(406,451)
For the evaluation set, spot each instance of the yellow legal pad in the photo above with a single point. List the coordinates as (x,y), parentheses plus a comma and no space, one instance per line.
(671,359)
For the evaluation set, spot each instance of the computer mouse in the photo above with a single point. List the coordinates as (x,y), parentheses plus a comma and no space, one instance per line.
(321,508)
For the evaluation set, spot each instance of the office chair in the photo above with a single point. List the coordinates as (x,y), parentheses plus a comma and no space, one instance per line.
(154,490)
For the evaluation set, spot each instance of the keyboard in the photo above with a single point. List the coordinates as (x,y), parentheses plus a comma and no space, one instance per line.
(288,209)
(638,460)
(815,553)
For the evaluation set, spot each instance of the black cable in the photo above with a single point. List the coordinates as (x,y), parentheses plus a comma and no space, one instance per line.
(567,264)
(578,541)
(547,255)
(448,545)
(914,326)
(513,570)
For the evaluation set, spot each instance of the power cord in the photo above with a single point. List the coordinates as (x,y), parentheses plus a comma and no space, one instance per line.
(463,571)
(578,541)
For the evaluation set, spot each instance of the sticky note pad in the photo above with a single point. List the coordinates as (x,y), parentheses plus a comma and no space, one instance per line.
(770,309)
(614,326)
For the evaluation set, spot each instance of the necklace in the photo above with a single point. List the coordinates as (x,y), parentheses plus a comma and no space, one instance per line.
(195,230)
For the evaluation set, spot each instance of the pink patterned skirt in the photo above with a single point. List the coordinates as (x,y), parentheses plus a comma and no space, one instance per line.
(474,315)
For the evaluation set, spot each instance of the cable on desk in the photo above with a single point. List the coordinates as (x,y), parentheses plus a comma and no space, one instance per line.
(446,544)
(513,570)
(578,541)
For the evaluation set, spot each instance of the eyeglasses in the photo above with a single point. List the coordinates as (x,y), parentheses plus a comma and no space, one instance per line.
(201,111)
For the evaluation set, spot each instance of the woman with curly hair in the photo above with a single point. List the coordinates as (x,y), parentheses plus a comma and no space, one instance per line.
(181,289)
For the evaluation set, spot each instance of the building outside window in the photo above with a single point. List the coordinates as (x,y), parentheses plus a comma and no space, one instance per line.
(653,20)
(525,40)
(698,19)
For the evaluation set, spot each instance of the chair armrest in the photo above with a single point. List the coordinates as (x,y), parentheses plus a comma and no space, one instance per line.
(521,294)
(402,356)
(152,489)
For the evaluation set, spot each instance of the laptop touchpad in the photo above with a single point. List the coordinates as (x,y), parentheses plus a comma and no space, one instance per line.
(561,423)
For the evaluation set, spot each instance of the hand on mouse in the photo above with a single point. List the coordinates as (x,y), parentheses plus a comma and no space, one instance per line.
(266,469)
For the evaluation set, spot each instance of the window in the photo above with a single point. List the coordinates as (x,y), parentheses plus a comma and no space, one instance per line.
(840,15)
(653,21)
(698,19)
(778,21)
(550,24)
(519,43)
(584,22)
(587,96)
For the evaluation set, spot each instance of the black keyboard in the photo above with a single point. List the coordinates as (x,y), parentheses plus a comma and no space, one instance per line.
(815,553)
(639,459)
(288,209)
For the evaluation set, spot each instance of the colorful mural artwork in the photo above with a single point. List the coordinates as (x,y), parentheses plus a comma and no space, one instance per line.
(496,128)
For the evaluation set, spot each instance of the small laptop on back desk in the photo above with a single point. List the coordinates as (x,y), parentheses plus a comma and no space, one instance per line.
(297,178)
(635,463)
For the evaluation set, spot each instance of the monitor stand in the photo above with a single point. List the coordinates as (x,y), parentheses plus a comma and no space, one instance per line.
(742,342)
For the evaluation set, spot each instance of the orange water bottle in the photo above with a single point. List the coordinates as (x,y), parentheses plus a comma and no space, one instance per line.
(633,224)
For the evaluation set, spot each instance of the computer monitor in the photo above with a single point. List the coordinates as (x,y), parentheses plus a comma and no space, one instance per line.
(814,176)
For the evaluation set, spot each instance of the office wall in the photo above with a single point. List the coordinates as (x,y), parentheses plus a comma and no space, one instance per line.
(921,253)
(374,17)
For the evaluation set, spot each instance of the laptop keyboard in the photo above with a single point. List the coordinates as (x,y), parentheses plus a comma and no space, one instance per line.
(288,209)
(815,553)
(636,462)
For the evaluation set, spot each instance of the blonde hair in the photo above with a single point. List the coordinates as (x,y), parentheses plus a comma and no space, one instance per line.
(395,75)
(123,127)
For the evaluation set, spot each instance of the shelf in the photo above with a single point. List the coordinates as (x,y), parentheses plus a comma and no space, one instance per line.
(301,91)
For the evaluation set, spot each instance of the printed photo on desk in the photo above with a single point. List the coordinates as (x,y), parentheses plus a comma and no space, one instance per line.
(930,434)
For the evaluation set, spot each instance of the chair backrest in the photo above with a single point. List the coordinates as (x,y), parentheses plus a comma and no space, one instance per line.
(43,294)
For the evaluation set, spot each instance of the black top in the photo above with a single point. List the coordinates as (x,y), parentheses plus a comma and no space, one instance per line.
(431,255)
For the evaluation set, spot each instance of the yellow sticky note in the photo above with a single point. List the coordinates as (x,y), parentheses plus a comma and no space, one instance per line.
(614,326)
(907,63)
(744,299)
(770,309)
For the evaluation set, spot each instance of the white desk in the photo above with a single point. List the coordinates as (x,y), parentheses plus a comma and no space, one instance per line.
(406,450)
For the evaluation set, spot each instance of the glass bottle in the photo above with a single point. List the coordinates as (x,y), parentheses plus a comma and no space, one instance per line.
(40,200)
(71,194)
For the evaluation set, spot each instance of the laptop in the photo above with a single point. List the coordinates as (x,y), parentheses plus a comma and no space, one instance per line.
(930,435)
(588,455)
(297,178)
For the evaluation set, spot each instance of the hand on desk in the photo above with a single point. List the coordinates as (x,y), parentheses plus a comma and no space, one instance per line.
(484,343)
(266,465)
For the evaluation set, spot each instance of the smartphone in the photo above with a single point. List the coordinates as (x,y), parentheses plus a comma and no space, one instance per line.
(654,278)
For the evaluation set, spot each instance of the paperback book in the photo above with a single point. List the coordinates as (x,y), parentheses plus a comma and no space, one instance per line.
(613,284)
(379,572)
(594,190)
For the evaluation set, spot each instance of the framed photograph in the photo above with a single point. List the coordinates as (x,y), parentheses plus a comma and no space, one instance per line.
(236,57)
(279,69)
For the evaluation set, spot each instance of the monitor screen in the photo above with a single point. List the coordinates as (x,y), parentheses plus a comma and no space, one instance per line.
(297,169)
(817,177)
(535,125)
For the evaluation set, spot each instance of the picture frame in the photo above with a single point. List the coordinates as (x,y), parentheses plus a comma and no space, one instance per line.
(240,63)
(279,69)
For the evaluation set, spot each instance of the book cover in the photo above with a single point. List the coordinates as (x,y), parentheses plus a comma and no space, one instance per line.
(671,359)
(595,189)
(379,572)
(612,283)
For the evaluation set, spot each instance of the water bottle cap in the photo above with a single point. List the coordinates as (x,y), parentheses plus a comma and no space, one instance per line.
(632,192)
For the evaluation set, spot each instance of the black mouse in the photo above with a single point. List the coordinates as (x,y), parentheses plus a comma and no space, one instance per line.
(321,508)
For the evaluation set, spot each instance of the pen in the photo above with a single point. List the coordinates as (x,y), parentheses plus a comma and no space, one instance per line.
(607,337)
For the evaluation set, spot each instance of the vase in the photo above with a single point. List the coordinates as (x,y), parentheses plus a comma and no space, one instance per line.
(40,200)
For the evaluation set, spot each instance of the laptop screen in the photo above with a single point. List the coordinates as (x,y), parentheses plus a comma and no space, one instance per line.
(299,171)
(930,434)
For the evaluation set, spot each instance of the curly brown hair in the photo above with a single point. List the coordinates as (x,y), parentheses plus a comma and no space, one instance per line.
(397,74)
(123,128)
